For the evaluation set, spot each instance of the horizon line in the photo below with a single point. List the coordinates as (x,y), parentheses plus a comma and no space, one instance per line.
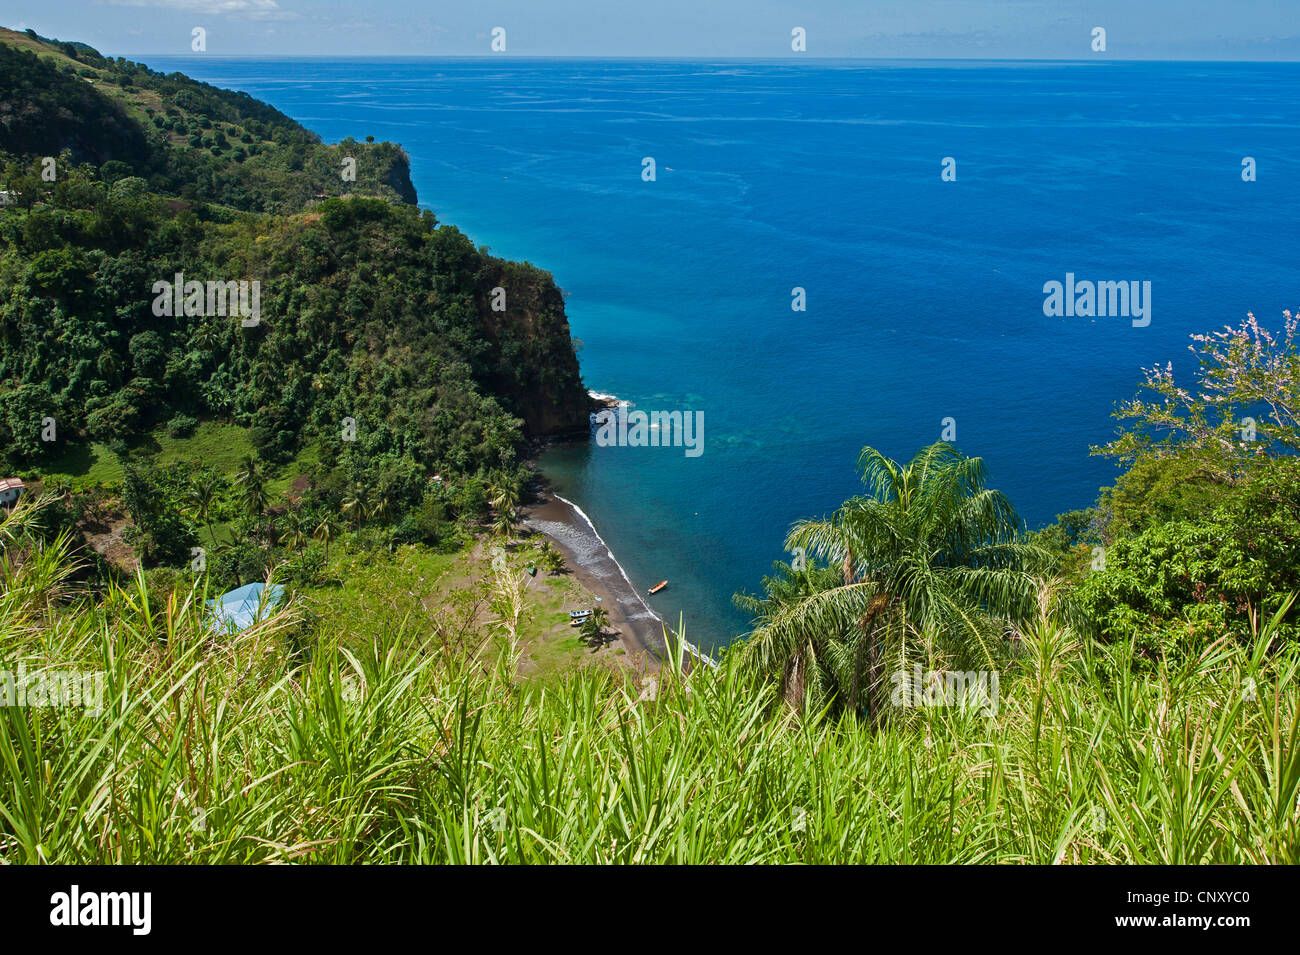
(695,58)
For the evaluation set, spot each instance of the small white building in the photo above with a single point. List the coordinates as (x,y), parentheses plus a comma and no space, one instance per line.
(10,490)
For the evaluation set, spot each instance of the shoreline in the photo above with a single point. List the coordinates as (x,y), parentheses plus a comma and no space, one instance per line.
(644,635)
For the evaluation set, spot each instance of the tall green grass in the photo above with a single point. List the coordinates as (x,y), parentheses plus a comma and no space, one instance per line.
(251,749)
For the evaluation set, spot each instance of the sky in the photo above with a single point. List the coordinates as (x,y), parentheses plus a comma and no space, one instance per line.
(1017,29)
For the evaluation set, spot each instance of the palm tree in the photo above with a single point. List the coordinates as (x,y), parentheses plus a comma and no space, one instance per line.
(204,335)
(296,529)
(266,375)
(551,559)
(203,492)
(324,532)
(929,550)
(785,587)
(504,524)
(382,509)
(593,628)
(503,494)
(254,482)
(354,504)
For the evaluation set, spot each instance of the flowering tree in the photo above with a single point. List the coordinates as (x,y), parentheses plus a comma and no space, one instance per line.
(1246,406)
(1202,532)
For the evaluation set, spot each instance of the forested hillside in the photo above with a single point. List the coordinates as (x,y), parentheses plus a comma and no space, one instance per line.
(185,138)
(369,309)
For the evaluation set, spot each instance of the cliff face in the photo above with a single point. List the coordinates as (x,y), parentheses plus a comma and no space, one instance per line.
(535,367)
(398,177)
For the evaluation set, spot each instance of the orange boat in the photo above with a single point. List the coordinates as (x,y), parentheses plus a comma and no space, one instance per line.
(658,587)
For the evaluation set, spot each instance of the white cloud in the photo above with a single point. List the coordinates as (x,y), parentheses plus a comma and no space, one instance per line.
(239,9)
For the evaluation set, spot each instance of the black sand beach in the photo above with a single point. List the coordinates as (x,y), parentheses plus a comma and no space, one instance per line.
(640,629)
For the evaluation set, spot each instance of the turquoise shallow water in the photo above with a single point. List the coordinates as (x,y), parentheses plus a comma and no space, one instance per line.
(924,297)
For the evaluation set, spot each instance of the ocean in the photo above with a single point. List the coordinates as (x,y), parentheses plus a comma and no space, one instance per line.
(924,296)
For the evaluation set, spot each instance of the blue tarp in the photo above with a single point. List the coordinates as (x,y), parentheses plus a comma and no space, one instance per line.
(239,609)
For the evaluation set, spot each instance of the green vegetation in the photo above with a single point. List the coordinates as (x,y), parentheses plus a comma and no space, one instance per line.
(413,738)
(184,138)
(930,562)
(220,446)
(1196,544)
(369,741)
(369,312)
(365,380)
(1199,538)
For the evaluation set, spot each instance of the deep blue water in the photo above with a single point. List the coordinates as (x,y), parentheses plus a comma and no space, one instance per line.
(924,297)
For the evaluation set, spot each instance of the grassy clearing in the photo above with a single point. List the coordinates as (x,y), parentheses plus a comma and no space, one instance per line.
(550,653)
(549,648)
(218,445)
(376,591)
(84,465)
(452,595)
(215,444)
(306,462)
(380,741)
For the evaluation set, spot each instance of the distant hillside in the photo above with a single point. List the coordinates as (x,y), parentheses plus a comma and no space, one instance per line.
(185,138)
(370,310)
